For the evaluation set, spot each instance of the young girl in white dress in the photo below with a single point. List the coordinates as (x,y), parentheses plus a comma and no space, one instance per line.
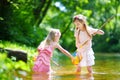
(83,35)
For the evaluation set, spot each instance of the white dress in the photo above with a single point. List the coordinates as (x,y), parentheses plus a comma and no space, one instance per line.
(86,51)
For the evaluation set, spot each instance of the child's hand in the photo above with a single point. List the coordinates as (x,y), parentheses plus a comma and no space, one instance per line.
(75,61)
(72,58)
(35,58)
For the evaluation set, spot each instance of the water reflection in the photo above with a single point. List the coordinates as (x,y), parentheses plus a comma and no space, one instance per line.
(62,76)
(106,68)
(84,77)
(41,76)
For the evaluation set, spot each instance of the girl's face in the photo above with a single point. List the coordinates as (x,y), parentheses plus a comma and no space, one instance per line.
(57,36)
(79,25)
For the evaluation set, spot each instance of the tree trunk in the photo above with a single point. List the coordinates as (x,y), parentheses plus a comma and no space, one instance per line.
(41,11)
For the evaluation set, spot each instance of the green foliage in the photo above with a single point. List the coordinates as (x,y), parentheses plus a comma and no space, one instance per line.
(12,68)
(9,67)
(20,19)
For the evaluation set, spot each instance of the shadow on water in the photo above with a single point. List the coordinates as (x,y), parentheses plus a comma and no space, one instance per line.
(107,67)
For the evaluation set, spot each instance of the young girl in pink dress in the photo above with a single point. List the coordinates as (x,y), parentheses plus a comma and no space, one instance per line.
(83,35)
(45,50)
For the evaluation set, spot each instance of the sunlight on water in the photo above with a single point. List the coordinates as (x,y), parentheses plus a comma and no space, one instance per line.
(107,67)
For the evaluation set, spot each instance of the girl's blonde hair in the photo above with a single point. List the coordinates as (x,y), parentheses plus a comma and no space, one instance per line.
(51,36)
(82,19)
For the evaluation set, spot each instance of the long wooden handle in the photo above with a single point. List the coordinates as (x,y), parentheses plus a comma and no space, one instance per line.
(55,63)
(99,29)
(108,20)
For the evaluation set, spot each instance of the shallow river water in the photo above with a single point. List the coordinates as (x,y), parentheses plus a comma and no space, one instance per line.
(107,67)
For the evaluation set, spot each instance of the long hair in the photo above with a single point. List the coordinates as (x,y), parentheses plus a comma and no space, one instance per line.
(82,20)
(51,36)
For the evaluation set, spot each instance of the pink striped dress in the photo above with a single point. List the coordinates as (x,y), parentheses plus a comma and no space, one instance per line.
(42,63)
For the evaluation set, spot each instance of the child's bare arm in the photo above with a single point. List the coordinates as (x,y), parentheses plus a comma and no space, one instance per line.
(101,32)
(64,51)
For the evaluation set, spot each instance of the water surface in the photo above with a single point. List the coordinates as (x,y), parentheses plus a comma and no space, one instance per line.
(107,67)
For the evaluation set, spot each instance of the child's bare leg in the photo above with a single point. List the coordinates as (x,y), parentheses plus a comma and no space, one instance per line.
(89,68)
(78,70)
